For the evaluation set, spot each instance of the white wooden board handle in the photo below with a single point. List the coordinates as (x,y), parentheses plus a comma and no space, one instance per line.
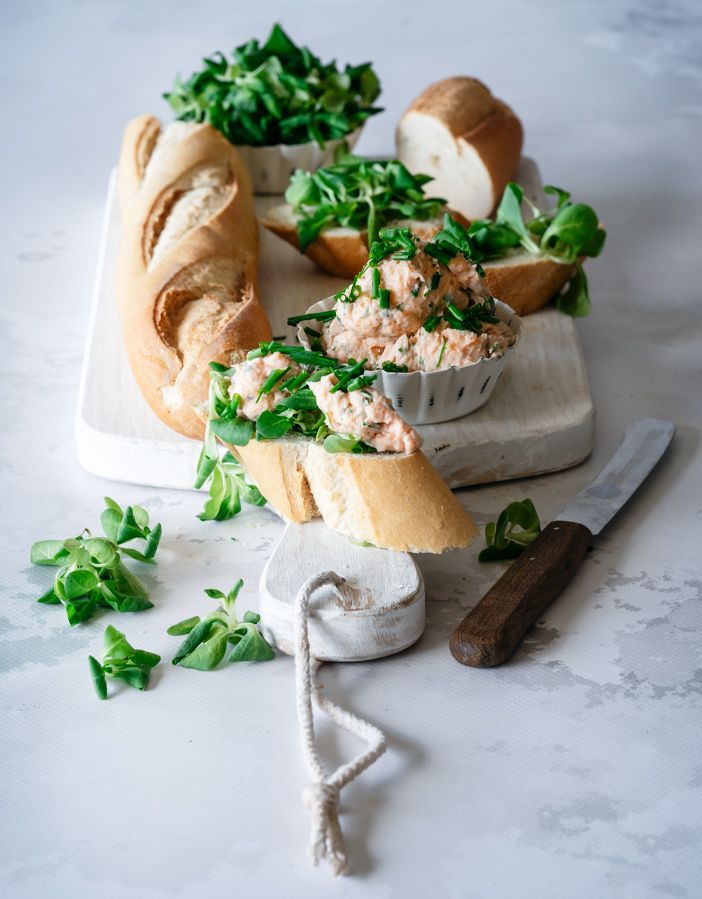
(377,611)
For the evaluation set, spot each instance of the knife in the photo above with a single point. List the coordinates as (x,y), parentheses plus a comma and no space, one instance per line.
(491,631)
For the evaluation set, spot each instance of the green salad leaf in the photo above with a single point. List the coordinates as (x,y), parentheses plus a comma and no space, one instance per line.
(208,638)
(516,528)
(276,93)
(120,660)
(91,574)
(565,234)
(357,193)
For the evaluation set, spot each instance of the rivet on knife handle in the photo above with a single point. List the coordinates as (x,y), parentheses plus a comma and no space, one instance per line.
(490,632)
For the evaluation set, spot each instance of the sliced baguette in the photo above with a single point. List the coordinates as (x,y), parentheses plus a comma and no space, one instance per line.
(392,500)
(524,282)
(467,140)
(339,251)
(187,281)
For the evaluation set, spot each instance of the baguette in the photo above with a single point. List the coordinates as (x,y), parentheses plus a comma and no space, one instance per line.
(466,139)
(392,500)
(187,282)
(523,281)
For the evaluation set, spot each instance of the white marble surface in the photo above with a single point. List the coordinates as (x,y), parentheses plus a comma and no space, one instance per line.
(572,771)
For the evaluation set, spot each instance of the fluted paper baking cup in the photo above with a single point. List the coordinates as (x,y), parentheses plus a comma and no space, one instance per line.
(429,397)
(271,167)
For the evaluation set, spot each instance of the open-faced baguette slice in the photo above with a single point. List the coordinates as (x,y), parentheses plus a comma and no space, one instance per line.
(392,500)
(523,281)
(466,139)
(187,282)
(339,251)
(526,282)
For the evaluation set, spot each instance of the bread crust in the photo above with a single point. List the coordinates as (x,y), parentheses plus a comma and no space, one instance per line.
(526,283)
(461,103)
(339,251)
(392,500)
(188,295)
(474,117)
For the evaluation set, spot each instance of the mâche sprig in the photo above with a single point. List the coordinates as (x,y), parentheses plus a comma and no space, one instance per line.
(516,528)
(91,574)
(276,93)
(121,661)
(208,638)
(563,234)
(358,193)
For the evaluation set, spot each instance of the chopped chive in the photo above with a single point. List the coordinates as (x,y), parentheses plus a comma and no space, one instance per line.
(431,323)
(433,284)
(441,354)
(375,283)
(391,367)
(293,384)
(348,375)
(325,316)
(384,300)
(271,381)
(359,383)
(438,253)
(415,290)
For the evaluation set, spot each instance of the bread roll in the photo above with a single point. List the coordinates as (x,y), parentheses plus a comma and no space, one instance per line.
(392,500)
(187,281)
(466,139)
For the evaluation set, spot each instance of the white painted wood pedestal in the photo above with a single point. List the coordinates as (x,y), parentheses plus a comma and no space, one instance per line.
(378,611)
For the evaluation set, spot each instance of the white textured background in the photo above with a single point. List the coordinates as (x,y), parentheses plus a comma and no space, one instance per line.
(574,771)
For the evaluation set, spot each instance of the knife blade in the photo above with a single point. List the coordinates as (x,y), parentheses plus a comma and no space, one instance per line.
(491,631)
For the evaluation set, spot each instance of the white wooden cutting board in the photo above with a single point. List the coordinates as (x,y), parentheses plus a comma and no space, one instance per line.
(539,419)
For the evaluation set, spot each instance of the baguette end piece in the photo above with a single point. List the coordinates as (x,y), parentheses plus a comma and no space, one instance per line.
(369,499)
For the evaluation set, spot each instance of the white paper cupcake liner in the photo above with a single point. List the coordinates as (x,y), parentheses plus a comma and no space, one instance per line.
(430,397)
(271,167)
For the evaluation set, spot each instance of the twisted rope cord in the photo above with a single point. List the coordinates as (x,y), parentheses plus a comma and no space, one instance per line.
(322,795)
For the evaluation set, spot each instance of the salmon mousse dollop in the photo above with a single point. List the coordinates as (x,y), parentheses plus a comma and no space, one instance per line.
(418,306)
(287,390)
(365,413)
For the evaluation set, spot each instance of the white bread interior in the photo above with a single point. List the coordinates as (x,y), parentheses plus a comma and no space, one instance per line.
(391,500)
(467,140)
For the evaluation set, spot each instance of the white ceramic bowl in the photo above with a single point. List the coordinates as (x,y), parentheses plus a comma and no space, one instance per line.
(429,397)
(271,167)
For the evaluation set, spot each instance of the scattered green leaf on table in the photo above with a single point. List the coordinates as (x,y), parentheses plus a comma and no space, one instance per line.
(90,574)
(206,642)
(122,661)
(516,528)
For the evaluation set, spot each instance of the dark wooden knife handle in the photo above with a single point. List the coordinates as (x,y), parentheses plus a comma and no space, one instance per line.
(491,631)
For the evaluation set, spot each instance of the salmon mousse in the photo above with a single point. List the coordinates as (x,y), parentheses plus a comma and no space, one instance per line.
(417,305)
(287,390)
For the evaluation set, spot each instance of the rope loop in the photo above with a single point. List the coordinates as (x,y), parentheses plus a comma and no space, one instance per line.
(322,795)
